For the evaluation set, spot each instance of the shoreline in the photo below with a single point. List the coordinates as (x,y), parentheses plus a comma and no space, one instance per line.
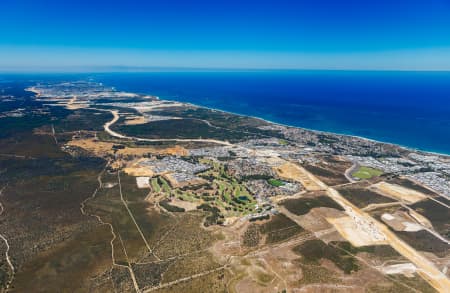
(405,147)
(408,148)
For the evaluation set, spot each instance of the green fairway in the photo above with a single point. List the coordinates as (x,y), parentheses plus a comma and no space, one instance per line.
(366,173)
(275,182)
(155,185)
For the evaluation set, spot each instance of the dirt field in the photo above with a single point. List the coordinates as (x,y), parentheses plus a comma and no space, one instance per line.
(294,172)
(401,221)
(136,120)
(357,236)
(143,182)
(186,205)
(135,169)
(398,192)
(101,148)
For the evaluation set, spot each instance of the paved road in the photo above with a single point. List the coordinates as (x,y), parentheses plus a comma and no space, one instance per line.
(425,267)
(116,117)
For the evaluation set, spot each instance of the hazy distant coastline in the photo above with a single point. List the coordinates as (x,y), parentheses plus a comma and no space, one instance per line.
(401,110)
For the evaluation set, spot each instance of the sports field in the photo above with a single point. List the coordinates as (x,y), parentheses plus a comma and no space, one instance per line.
(366,172)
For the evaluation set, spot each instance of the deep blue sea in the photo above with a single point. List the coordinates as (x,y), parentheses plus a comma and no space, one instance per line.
(406,108)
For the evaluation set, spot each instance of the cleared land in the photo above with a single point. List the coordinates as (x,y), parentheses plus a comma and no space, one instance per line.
(354,233)
(398,192)
(294,172)
(362,197)
(302,206)
(437,214)
(100,148)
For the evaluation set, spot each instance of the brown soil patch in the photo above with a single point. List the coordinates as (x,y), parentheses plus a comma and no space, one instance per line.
(186,205)
(101,148)
(355,234)
(135,169)
(294,172)
(136,120)
(398,192)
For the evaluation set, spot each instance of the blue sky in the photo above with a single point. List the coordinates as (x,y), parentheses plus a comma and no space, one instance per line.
(400,34)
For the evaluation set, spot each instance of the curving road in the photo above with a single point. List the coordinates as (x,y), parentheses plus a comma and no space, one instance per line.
(116,117)
(424,266)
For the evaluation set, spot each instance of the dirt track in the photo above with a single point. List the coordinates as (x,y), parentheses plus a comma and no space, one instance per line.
(424,266)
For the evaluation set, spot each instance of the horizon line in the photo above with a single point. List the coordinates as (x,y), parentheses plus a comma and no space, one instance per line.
(143,69)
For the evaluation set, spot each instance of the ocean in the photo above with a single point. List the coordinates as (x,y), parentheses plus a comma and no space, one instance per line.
(406,108)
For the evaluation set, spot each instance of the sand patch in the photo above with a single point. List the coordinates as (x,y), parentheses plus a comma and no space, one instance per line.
(135,120)
(136,169)
(186,205)
(355,234)
(294,172)
(143,182)
(407,269)
(401,221)
(398,192)
(101,148)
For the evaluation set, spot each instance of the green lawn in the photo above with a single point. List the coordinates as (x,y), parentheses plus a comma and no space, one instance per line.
(165,186)
(366,172)
(282,142)
(155,185)
(275,182)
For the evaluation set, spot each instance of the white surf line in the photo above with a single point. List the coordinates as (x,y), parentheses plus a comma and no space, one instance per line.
(8,259)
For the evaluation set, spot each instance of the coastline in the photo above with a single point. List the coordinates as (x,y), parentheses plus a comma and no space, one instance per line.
(405,147)
(331,132)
